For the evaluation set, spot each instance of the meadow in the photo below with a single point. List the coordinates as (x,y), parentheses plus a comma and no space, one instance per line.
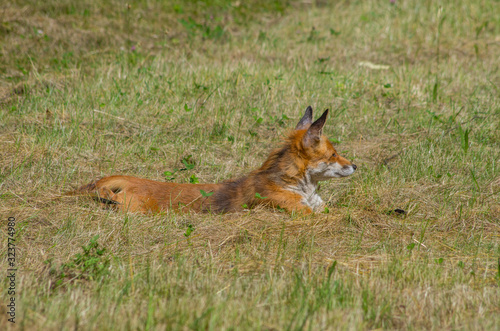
(202,91)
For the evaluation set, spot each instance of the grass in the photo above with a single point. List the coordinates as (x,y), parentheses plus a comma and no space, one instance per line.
(90,89)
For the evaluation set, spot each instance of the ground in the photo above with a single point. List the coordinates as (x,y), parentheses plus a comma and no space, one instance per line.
(201,91)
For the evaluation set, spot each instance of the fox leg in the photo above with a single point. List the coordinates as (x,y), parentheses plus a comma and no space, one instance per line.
(290,201)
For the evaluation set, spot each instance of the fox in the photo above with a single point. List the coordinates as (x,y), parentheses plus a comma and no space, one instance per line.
(288,179)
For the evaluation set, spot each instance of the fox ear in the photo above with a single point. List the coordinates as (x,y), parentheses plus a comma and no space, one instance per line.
(306,120)
(315,130)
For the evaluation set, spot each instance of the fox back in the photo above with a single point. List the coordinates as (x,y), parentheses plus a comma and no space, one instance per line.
(288,179)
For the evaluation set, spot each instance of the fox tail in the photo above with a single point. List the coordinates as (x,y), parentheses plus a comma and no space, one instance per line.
(94,192)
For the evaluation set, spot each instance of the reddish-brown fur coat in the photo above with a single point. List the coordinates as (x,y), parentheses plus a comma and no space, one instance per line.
(285,168)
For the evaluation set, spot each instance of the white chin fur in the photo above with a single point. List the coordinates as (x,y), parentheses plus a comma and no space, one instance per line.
(325,171)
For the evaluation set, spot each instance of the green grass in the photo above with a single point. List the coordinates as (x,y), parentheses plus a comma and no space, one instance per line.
(89,89)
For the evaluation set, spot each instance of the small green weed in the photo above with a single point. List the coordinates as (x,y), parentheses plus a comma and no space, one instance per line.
(92,264)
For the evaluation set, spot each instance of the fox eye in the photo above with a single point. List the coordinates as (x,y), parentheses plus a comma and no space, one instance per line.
(334,155)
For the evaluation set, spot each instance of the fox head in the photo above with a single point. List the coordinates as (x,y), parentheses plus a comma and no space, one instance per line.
(322,160)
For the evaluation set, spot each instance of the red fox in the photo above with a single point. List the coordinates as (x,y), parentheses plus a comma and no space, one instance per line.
(288,179)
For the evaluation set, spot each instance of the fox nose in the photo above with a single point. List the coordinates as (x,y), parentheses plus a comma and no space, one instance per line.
(354,166)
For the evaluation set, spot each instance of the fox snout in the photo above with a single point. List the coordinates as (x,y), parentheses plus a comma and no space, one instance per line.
(347,170)
(347,167)
(353,166)
(350,170)
(328,170)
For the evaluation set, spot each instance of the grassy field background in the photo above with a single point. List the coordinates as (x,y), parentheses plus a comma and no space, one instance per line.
(94,88)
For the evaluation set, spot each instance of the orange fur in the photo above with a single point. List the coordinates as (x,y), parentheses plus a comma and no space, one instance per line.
(287,179)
